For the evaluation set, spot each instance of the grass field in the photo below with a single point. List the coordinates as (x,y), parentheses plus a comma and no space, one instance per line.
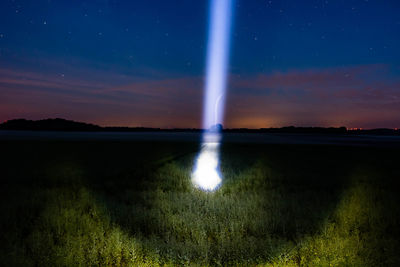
(132,204)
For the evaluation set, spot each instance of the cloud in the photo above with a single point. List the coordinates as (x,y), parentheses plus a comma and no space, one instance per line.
(365,96)
(156,103)
(360,96)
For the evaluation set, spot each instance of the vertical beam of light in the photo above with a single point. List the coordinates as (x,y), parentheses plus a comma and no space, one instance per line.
(217,62)
(206,175)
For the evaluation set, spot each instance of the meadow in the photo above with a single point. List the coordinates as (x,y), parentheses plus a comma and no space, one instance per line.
(109,203)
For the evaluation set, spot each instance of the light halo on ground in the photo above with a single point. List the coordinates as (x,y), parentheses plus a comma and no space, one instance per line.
(206,175)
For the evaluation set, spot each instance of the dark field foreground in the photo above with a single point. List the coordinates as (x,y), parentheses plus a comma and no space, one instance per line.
(110,203)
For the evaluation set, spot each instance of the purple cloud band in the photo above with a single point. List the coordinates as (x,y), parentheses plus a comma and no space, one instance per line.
(366,96)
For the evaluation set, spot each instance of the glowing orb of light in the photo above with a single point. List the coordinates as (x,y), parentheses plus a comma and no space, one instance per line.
(206,174)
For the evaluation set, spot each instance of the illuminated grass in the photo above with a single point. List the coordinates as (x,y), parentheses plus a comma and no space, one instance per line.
(86,210)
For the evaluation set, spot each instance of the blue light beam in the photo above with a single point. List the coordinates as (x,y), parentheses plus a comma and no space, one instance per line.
(217,62)
(206,175)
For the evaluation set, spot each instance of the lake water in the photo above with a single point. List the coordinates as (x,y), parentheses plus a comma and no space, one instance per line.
(261,138)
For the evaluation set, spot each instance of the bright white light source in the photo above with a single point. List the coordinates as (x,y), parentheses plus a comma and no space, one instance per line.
(206,174)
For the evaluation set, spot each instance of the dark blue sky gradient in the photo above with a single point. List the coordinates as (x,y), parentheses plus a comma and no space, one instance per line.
(141,63)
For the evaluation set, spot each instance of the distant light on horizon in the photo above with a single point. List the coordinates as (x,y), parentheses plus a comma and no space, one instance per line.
(206,174)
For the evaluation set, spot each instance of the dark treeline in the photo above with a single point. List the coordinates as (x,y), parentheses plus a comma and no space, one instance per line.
(73,126)
(291,129)
(48,125)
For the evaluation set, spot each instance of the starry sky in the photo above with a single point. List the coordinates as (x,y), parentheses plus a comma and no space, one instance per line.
(142,63)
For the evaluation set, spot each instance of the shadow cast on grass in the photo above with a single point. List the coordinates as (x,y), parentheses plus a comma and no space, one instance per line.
(130,204)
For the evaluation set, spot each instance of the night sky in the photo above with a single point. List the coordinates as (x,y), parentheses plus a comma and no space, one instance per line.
(142,63)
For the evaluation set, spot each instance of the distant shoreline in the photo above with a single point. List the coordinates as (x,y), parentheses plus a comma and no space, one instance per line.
(62,125)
